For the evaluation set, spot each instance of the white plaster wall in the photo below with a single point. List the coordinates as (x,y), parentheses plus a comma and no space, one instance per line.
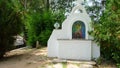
(52,45)
(68,23)
(74,49)
(95,50)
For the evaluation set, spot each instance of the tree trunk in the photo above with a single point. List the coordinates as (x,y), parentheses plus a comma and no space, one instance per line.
(47,4)
(2,54)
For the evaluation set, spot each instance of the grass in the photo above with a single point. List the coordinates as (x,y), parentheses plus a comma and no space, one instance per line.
(64,64)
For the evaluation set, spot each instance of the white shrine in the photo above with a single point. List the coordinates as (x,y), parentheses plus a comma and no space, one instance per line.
(72,41)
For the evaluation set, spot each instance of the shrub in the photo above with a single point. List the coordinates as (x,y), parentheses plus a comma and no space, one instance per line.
(40,28)
(10,25)
(107,31)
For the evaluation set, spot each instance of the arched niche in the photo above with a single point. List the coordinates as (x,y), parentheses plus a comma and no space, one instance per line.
(78,30)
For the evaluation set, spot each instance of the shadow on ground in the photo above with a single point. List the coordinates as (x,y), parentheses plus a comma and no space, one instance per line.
(37,58)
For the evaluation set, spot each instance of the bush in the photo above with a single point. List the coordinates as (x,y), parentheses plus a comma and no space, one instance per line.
(39,20)
(40,28)
(10,25)
(107,31)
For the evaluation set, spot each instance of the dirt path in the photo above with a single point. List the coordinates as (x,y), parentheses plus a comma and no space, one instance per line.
(25,58)
(37,58)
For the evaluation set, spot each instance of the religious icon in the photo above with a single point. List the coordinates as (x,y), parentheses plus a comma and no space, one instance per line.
(78,30)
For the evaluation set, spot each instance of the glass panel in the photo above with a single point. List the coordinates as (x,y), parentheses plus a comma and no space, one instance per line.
(78,30)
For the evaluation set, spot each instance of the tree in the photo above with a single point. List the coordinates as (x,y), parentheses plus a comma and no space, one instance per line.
(41,18)
(95,9)
(10,24)
(107,31)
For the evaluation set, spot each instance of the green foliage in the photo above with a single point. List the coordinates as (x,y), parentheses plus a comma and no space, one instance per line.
(96,9)
(10,24)
(44,36)
(39,18)
(118,65)
(107,31)
(40,28)
(99,60)
(62,5)
(39,22)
